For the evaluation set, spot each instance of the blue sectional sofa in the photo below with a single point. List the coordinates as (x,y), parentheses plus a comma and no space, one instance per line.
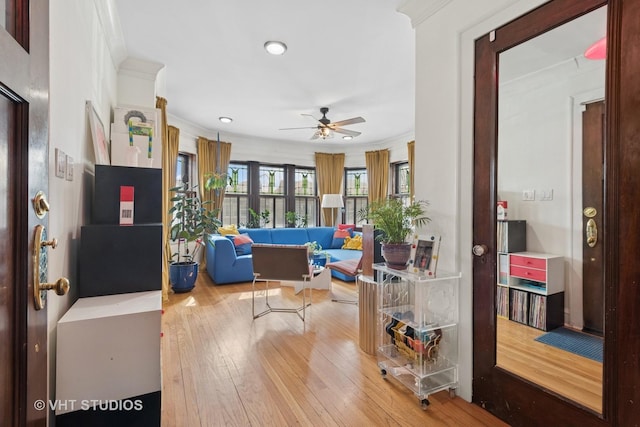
(225,266)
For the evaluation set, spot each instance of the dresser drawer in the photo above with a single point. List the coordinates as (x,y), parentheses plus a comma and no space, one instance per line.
(528,273)
(526,261)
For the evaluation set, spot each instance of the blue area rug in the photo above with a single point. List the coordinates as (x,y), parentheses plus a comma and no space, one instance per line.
(582,344)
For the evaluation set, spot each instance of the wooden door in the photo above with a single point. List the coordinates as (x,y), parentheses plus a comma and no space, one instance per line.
(511,398)
(592,194)
(24,75)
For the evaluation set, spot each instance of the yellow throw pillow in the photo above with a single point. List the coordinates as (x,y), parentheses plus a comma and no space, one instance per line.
(228,229)
(354,242)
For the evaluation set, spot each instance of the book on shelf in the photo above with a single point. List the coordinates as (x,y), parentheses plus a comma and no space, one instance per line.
(502,301)
(512,236)
(503,269)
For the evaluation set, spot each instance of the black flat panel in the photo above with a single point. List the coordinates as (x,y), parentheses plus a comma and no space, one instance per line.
(118,259)
(147,183)
(133,412)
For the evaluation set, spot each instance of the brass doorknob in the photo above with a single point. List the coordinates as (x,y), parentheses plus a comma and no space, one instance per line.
(61,286)
(53,243)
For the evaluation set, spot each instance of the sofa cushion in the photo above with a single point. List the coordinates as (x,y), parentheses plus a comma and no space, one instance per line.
(258,235)
(338,238)
(322,235)
(289,236)
(228,229)
(350,227)
(242,243)
(353,243)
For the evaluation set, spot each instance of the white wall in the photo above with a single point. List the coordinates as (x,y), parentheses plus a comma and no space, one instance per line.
(538,151)
(81,68)
(444,136)
(246,148)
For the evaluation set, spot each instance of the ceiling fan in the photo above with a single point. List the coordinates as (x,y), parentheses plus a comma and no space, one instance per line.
(325,129)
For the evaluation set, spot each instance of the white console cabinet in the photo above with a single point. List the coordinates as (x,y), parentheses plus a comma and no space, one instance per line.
(108,351)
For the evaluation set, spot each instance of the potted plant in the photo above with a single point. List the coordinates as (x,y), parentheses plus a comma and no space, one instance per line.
(396,221)
(296,220)
(191,221)
(316,254)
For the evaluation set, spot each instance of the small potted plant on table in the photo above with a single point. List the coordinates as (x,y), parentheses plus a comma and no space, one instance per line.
(396,221)
(317,256)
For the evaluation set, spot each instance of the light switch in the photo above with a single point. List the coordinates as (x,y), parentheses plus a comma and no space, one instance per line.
(546,195)
(528,195)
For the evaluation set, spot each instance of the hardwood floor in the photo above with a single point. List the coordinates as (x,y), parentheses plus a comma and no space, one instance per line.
(221,367)
(570,375)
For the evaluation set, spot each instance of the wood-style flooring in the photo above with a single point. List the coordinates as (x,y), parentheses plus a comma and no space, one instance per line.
(565,373)
(222,368)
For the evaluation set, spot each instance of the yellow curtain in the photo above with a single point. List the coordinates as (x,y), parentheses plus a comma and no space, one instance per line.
(170,143)
(209,161)
(377,174)
(206,163)
(411,147)
(329,172)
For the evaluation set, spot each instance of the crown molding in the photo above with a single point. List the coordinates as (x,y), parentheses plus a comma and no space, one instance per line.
(421,10)
(140,68)
(110,21)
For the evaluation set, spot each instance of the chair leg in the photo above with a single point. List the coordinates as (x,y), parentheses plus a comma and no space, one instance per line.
(345,301)
(270,309)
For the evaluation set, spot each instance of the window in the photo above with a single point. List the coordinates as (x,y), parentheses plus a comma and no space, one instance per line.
(235,206)
(183,169)
(261,195)
(356,194)
(401,181)
(305,202)
(272,191)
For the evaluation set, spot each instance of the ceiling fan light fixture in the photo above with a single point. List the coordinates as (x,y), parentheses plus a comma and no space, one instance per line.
(225,119)
(325,133)
(275,47)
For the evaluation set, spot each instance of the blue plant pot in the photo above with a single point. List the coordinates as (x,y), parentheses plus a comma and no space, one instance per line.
(320,260)
(182,276)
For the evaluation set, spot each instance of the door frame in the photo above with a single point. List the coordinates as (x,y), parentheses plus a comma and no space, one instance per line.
(25,78)
(502,393)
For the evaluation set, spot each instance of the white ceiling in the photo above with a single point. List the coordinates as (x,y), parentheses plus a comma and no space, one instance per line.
(355,57)
(567,42)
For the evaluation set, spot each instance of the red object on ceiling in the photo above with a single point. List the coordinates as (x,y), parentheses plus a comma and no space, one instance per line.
(598,50)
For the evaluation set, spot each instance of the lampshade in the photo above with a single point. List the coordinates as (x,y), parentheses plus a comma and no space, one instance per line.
(598,50)
(332,201)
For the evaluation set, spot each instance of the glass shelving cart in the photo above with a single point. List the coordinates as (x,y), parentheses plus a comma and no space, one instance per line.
(417,331)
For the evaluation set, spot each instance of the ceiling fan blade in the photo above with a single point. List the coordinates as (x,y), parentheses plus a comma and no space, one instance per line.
(347,132)
(351,121)
(317,120)
(307,127)
(315,135)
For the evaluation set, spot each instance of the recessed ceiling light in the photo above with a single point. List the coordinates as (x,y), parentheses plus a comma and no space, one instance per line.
(347,138)
(225,119)
(275,47)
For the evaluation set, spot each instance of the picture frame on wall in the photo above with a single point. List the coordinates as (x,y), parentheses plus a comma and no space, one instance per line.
(424,255)
(100,141)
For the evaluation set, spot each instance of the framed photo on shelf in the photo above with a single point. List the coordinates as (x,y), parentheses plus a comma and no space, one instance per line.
(424,255)
(100,141)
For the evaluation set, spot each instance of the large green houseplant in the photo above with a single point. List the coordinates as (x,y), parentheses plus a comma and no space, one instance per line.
(192,220)
(397,221)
